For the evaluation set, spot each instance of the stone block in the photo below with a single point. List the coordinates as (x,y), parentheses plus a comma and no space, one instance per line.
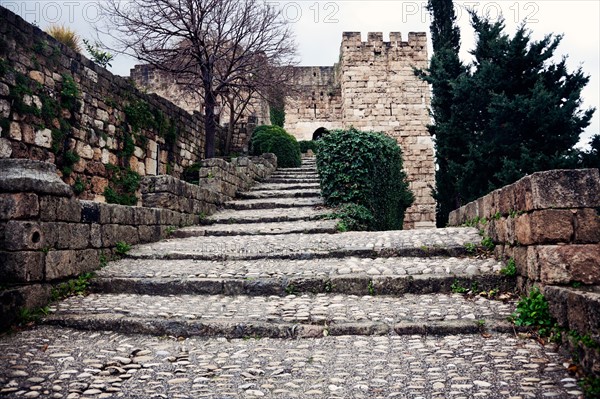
(144,216)
(61,264)
(563,264)
(13,299)
(113,233)
(533,265)
(19,206)
(73,235)
(60,209)
(5,148)
(17,235)
(587,226)
(24,175)
(121,214)
(149,233)
(505,198)
(95,235)
(520,257)
(573,188)
(21,267)
(546,226)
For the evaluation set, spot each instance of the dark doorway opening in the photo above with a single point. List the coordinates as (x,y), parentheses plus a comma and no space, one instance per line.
(320,132)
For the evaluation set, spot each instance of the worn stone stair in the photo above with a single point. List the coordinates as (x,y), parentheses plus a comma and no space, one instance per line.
(266,299)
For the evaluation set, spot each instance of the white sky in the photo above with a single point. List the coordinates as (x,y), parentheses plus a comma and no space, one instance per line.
(319,26)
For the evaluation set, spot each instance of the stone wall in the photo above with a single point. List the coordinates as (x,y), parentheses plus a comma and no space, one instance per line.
(316,103)
(374,88)
(167,86)
(107,121)
(549,224)
(219,181)
(47,235)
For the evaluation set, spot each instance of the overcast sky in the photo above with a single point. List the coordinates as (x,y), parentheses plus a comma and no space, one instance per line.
(319,26)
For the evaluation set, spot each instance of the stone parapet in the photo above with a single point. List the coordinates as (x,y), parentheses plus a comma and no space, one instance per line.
(547,222)
(219,182)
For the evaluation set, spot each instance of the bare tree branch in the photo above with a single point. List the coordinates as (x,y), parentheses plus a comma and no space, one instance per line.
(230,49)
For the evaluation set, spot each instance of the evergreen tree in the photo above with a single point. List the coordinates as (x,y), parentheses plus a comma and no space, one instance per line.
(445,67)
(519,110)
(509,113)
(591,158)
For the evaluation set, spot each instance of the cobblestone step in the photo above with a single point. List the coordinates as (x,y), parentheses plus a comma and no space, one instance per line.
(381,276)
(408,366)
(290,180)
(308,173)
(272,203)
(299,316)
(415,243)
(299,226)
(258,194)
(281,186)
(266,215)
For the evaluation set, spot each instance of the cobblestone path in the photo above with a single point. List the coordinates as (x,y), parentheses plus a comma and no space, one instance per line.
(267,300)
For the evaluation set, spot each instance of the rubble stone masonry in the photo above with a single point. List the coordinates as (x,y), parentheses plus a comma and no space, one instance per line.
(33,67)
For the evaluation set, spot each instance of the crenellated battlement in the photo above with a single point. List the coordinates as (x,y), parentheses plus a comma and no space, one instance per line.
(353,40)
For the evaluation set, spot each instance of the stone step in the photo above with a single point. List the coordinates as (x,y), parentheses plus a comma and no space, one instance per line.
(143,366)
(272,203)
(280,180)
(299,226)
(306,172)
(380,276)
(257,194)
(265,215)
(291,316)
(282,186)
(457,241)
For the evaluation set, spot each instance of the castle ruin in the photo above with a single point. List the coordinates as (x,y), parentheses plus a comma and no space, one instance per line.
(372,87)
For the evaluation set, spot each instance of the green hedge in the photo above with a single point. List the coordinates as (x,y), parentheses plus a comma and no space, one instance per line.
(365,168)
(306,145)
(276,140)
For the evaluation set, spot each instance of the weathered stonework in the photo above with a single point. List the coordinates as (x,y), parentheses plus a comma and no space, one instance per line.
(374,87)
(47,235)
(166,85)
(33,68)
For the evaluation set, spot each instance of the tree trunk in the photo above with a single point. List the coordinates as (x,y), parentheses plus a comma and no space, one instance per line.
(210,125)
(231,127)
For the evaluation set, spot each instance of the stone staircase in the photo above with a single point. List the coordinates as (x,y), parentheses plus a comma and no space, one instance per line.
(267,300)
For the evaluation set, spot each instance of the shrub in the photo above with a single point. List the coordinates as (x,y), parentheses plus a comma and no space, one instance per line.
(66,36)
(352,217)
(306,145)
(365,168)
(276,140)
(534,311)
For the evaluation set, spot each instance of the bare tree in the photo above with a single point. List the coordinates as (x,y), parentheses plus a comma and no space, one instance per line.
(222,46)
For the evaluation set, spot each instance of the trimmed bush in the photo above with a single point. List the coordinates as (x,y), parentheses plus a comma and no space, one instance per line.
(365,168)
(276,140)
(306,145)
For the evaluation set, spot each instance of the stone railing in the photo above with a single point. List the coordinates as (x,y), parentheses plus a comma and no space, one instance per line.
(47,235)
(219,182)
(549,224)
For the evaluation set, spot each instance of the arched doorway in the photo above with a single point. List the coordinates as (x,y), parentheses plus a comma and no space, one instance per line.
(320,132)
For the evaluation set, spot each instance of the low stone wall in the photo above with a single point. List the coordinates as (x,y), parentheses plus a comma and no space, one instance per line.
(219,181)
(47,235)
(549,224)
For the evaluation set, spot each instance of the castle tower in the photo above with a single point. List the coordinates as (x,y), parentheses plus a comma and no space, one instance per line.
(380,92)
